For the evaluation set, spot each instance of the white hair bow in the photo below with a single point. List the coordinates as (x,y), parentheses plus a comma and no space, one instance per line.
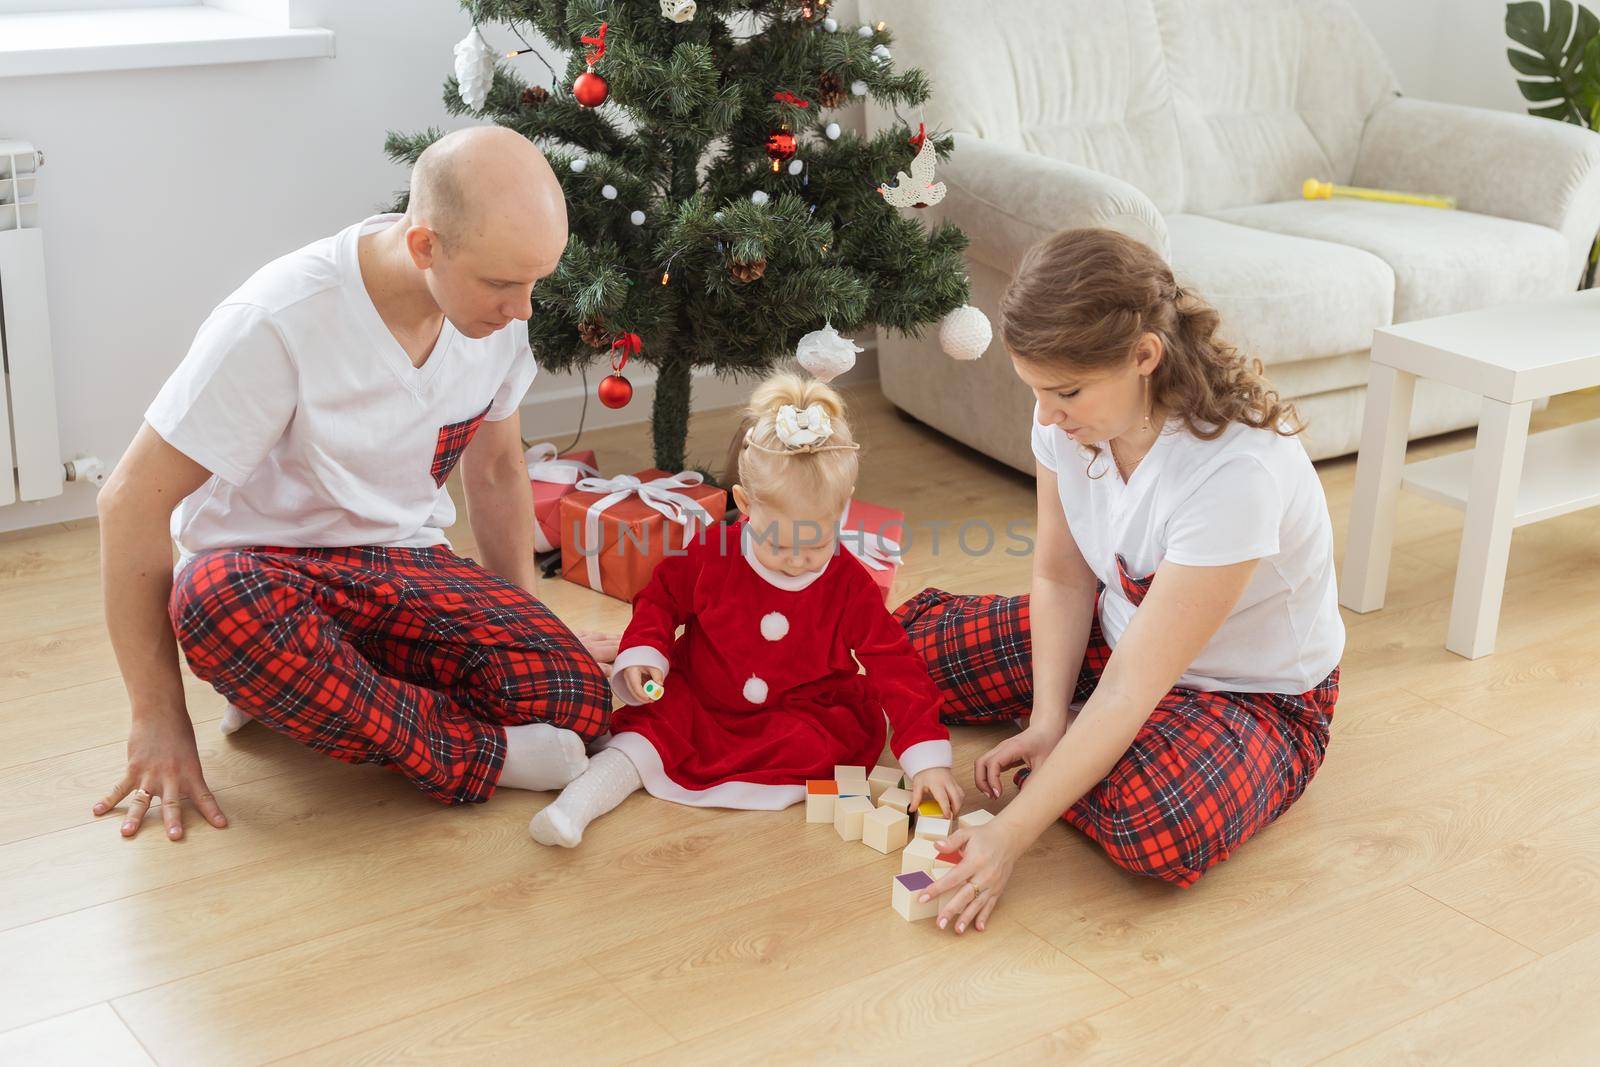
(802,428)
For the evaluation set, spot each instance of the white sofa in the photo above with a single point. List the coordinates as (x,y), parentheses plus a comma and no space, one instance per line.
(1191,125)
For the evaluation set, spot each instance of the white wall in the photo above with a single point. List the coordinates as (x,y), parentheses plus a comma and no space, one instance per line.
(1449,50)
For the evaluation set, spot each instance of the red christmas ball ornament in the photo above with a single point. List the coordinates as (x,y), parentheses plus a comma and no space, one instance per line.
(615,391)
(590,89)
(780,146)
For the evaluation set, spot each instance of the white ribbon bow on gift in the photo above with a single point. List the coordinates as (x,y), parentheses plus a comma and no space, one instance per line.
(873,549)
(543,466)
(661,494)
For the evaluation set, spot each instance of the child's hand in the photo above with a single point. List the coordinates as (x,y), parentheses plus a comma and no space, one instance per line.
(634,678)
(937,783)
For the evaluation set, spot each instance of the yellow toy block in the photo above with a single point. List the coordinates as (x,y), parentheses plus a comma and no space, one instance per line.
(930,808)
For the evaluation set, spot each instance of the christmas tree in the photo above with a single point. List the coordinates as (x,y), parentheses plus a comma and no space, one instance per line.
(718,214)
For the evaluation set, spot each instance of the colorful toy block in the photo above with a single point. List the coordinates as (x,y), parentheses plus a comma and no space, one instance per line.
(930,808)
(898,799)
(845,773)
(918,856)
(885,830)
(821,795)
(653,690)
(903,897)
(848,814)
(932,829)
(881,780)
(974,819)
(943,861)
(852,782)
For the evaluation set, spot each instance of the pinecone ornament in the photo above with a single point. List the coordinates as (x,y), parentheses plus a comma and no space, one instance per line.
(594,335)
(831,90)
(748,271)
(534,95)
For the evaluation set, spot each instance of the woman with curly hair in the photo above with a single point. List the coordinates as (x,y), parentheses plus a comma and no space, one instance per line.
(1176,661)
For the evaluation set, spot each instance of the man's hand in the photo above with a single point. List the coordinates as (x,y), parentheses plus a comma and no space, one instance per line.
(162,762)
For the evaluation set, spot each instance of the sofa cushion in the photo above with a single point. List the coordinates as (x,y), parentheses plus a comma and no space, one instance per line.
(1282,298)
(1309,377)
(1268,93)
(1443,261)
(1081,81)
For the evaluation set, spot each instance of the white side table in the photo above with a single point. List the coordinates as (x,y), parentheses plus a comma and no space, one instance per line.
(1510,356)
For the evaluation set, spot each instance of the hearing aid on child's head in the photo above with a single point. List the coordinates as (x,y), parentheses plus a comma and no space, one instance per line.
(652,689)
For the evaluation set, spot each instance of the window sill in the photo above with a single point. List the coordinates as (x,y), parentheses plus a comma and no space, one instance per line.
(141,38)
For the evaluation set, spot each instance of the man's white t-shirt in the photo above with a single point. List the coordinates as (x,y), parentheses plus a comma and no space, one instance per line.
(1249,494)
(317,428)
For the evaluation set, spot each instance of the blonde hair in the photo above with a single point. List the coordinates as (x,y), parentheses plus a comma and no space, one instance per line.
(780,476)
(1082,299)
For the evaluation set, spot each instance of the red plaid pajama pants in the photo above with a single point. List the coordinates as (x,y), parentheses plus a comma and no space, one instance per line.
(410,657)
(1205,772)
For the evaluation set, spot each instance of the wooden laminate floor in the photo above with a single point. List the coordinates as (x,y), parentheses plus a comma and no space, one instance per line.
(1434,897)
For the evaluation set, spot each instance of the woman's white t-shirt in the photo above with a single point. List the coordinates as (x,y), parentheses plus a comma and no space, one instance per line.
(1249,494)
(317,427)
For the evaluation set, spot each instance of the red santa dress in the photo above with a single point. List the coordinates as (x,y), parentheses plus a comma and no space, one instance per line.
(763,690)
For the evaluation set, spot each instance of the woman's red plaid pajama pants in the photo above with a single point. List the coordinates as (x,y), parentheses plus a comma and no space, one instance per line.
(1206,771)
(410,657)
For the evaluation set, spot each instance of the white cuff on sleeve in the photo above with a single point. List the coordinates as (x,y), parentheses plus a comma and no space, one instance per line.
(925,754)
(636,656)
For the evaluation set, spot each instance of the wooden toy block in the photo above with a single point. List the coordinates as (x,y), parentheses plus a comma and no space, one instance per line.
(903,898)
(883,779)
(848,788)
(898,799)
(821,795)
(848,814)
(930,808)
(932,829)
(885,829)
(918,856)
(843,774)
(974,819)
(652,689)
(943,861)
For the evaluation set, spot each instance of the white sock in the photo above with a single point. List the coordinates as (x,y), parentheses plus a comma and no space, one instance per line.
(232,720)
(541,756)
(608,781)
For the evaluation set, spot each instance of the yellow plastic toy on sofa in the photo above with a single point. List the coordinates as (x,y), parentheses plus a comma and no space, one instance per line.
(1318,190)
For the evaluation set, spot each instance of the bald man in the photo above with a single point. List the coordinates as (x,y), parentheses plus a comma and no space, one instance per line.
(299,454)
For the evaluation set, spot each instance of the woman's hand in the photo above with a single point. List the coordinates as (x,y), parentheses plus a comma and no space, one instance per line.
(1029,748)
(938,783)
(988,856)
(162,762)
(602,646)
(634,678)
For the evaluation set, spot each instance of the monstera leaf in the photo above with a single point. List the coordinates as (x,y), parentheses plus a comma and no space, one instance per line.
(1560,66)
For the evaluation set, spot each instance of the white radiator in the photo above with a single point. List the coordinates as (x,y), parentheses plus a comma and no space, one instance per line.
(30,449)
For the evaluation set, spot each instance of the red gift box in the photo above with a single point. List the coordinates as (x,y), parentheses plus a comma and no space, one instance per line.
(872,534)
(615,530)
(553,478)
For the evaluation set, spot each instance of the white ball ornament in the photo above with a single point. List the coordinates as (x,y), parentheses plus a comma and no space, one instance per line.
(758,197)
(965,333)
(825,354)
(637,218)
(863,31)
(774,625)
(608,191)
(881,53)
(578,166)
(795,166)
(830,24)
(678,10)
(755,690)
(858,88)
(832,130)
